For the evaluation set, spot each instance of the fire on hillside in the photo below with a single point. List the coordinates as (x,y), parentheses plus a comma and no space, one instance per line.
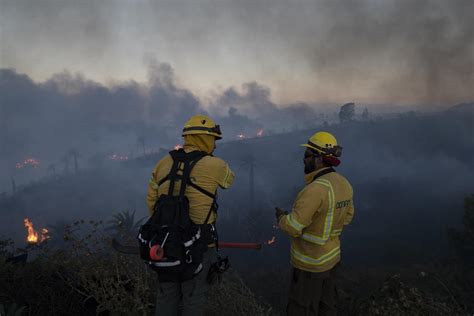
(29,162)
(117,157)
(33,236)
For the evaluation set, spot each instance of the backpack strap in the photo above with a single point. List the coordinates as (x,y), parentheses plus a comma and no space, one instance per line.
(172,176)
(188,161)
(183,162)
(203,191)
(163,180)
(214,205)
(181,156)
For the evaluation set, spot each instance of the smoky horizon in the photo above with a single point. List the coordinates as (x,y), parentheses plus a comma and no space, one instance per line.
(315,52)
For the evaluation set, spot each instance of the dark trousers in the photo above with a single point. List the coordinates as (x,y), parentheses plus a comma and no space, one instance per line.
(312,294)
(188,298)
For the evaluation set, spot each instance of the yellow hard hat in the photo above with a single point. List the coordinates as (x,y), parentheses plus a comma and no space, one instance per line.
(324,143)
(203,125)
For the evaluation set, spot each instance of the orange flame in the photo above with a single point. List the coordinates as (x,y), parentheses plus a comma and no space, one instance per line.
(33,236)
(271,241)
(178,146)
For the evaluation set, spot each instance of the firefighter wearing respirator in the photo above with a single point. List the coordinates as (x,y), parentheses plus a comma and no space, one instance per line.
(320,212)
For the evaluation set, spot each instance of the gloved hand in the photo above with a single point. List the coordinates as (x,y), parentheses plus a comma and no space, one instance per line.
(279,213)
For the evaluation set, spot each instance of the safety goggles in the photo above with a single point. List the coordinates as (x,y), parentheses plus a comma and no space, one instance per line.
(335,151)
(216,129)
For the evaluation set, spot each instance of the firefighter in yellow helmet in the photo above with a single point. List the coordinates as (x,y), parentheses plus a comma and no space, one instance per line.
(200,133)
(321,210)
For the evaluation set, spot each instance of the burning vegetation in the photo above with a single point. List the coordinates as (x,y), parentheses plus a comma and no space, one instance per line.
(33,236)
(117,157)
(29,162)
(243,136)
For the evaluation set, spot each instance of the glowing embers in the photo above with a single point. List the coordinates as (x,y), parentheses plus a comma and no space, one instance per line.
(33,236)
(29,162)
(117,157)
(241,136)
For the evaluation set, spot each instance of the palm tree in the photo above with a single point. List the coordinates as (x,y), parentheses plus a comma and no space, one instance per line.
(124,224)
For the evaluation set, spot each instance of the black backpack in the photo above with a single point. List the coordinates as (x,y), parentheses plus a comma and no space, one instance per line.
(170,243)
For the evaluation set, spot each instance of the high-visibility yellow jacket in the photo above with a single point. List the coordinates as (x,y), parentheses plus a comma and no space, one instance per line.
(209,173)
(319,214)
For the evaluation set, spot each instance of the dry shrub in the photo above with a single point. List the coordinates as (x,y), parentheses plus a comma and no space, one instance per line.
(232,297)
(113,282)
(37,286)
(395,298)
(87,277)
(84,277)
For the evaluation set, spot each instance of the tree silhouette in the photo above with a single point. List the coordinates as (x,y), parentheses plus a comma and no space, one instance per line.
(141,142)
(51,170)
(365,114)
(13,185)
(347,112)
(65,160)
(74,154)
(463,239)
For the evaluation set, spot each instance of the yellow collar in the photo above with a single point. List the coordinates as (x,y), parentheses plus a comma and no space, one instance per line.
(308,178)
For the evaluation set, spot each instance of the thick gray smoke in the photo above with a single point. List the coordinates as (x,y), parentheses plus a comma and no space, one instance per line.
(421,50)
(394,51)
(49,120)
(254,103)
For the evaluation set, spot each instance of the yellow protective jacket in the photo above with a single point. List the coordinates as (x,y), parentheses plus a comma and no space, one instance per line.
(209,173)
(319,214)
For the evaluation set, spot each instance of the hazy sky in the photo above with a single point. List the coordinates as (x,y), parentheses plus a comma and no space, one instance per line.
(372,51)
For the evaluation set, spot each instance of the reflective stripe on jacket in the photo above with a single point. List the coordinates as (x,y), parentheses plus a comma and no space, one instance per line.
(209,173)
(317,220)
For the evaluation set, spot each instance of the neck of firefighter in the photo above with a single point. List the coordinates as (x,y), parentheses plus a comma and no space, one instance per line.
(206,143)
(313,162)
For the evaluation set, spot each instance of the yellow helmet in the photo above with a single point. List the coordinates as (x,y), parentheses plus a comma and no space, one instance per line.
(324,143)
(202,124)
